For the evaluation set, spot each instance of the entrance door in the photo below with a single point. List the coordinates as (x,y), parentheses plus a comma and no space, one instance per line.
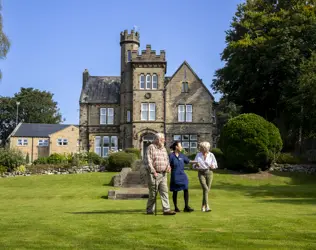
(147,140)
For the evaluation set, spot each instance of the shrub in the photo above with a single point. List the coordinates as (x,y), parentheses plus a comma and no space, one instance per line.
(249,142)
(94,158)
(27,158)
(57,159)
(134,151)
(287,158)
(41,160)
(21,169)
(11,158)
(191,156)
(119,160)
(3,169)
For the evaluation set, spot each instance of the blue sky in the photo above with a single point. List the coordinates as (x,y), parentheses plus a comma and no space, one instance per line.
(52,42)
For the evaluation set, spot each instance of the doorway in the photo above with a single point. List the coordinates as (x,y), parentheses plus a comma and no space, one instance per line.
(147,139)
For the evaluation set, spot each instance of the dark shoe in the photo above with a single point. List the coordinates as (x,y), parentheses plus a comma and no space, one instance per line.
(188,209)
(150,212)
(169,212)
(177,210)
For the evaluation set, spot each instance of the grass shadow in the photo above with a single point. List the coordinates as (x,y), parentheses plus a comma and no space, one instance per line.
(118,211)
(298,201)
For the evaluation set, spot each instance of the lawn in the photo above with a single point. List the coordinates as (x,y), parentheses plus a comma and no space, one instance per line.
(257,211)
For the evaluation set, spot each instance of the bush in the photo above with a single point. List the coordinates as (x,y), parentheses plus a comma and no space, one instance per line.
(119,160)
(57,159)
(134,151)
(41,160)
(249,142)
(21,169)
(94,158)
(11,158)
(287,158)
(3,169)
(27,158)
(191,156)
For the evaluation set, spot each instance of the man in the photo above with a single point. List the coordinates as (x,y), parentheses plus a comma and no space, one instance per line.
(158,166)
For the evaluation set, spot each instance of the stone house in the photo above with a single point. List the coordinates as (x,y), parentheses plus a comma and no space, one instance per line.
(41,140)
(118,112)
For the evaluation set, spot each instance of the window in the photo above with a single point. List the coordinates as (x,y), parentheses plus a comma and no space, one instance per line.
(110,116)
(185,113)
(43,142)
(148,81)
(142,81)
(103,144)
(22,142)
(106,115)
(185,87)
(148,111)
(188,114)
(103,116)
(188,142)
(155,81)
(97,145)
(128,116)
(62,142)
(129,55)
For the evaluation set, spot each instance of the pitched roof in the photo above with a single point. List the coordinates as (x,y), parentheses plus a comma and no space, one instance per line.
(38,129)
(101,89)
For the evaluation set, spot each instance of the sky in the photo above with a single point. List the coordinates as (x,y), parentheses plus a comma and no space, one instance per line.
(52,42)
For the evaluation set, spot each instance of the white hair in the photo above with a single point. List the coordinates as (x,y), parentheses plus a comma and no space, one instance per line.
(206,146)
(159,136)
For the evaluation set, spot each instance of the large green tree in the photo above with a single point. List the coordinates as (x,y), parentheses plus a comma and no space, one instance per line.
(4,41)
(267,45)
(35,106)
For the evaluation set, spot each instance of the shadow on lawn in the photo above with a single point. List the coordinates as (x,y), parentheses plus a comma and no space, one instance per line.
(118,211)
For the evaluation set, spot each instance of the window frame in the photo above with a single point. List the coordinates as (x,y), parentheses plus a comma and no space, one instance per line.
(150,107)
(154,82)
(183,111)
(148,81)
(142,81)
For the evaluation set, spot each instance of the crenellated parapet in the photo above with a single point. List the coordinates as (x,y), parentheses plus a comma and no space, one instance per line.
(148,55)
(132,37)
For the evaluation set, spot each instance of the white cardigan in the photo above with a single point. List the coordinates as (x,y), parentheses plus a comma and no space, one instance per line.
(209,163)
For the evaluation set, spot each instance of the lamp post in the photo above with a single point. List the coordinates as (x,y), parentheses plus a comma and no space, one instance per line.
(17,112)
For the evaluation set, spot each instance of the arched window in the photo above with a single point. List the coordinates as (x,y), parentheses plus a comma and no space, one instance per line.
(155,81)
(142,81)
(148,82)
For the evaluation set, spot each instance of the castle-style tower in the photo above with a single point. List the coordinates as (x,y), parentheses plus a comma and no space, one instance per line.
(129,42)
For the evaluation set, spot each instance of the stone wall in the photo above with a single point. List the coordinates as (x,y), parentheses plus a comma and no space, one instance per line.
(299,168)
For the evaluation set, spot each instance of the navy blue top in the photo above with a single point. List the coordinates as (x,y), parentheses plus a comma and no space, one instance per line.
(179,180)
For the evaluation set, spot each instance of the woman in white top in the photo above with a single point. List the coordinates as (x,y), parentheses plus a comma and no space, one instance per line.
(205,161)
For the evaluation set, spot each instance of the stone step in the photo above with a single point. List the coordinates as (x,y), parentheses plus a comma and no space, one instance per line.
(128,193)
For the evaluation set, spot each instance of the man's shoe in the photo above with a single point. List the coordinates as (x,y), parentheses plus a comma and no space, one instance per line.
(169,212)
(150,212)
(177,210)
(188,209)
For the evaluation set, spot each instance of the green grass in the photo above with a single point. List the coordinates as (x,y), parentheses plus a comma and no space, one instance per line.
(73,212)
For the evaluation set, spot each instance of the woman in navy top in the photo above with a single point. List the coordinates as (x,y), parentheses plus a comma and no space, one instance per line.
(179,180)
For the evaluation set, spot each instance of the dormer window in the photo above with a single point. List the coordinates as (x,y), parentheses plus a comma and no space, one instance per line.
(185,87)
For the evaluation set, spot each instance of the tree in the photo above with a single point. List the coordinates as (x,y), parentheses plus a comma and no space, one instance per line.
(266,45)
(35,107)
(225,110)
(4,41)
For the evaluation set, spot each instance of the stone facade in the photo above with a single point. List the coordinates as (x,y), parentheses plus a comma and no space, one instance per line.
(64,140)
(143,101)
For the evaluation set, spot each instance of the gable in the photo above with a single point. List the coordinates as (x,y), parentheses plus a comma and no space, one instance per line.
(186,74)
